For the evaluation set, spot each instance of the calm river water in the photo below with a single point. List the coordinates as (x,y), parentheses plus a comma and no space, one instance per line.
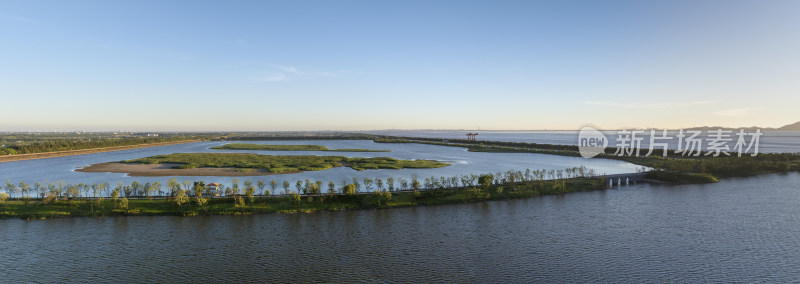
(737,230)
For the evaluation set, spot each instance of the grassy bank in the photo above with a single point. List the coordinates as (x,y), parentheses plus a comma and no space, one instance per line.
(283,163)
(32,143)
(698,169)
(42,155)
(290,203)
(265,147)
(681,177)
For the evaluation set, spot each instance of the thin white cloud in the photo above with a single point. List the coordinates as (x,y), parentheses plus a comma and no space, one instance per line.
(19,19)
(338,73)
(646,105)
(328,74)
(290,69)
(278,77)
(284,73)
(736,112)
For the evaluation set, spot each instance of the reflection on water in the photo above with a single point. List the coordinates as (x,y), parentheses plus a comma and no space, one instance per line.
(737,230)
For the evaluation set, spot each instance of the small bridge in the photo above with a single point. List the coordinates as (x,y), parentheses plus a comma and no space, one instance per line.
(620,179)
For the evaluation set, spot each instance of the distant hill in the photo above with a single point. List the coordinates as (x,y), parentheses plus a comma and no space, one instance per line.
(712,128)
(793,126)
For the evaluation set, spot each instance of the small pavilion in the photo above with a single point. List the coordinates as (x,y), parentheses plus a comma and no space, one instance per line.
(212,189)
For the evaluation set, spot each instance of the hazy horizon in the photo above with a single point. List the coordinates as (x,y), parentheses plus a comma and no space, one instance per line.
(143,130)
(362,65)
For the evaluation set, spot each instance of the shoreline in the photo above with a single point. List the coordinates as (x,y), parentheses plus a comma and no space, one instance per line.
(44,155)
(165,169)
(241,204)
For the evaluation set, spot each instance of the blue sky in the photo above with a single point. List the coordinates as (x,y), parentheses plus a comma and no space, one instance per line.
(350,65)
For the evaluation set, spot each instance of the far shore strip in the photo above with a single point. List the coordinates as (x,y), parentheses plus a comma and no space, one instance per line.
(33,156)
(165,169)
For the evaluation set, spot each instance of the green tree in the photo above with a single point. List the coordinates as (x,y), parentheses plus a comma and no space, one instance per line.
(319,187)
(379,183)
(261,186)
(3,197)
(349,189)
(198,187)
(114,196)
(73,191)
(148,190)
(173,186)
(415,185)
(307,187)
(181,198)
(24,188)
(331,188)
(273,185)
(235,186)
(485,180)
(403,183)
(294,199)
(250,191)
(478,194)
(10,188)
(135,187)
(157,188)
(390,183)
(186,186)
(382,197)
(201,201)
(123,204)
(38,189)
(51,190)
(368,184)
(285,187)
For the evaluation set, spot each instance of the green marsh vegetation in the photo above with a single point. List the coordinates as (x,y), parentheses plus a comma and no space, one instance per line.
(278,164)
(266,147)
(29,143)
(681,177)
(671,168)
(187,198)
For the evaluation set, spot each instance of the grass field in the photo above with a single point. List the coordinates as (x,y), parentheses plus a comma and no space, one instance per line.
(266,147)
(283,163)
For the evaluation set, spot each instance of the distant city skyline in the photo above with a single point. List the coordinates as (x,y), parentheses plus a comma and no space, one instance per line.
(367,65)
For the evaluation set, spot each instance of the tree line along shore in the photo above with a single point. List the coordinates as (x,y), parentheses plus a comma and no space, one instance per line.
(62,153)
(191,198)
